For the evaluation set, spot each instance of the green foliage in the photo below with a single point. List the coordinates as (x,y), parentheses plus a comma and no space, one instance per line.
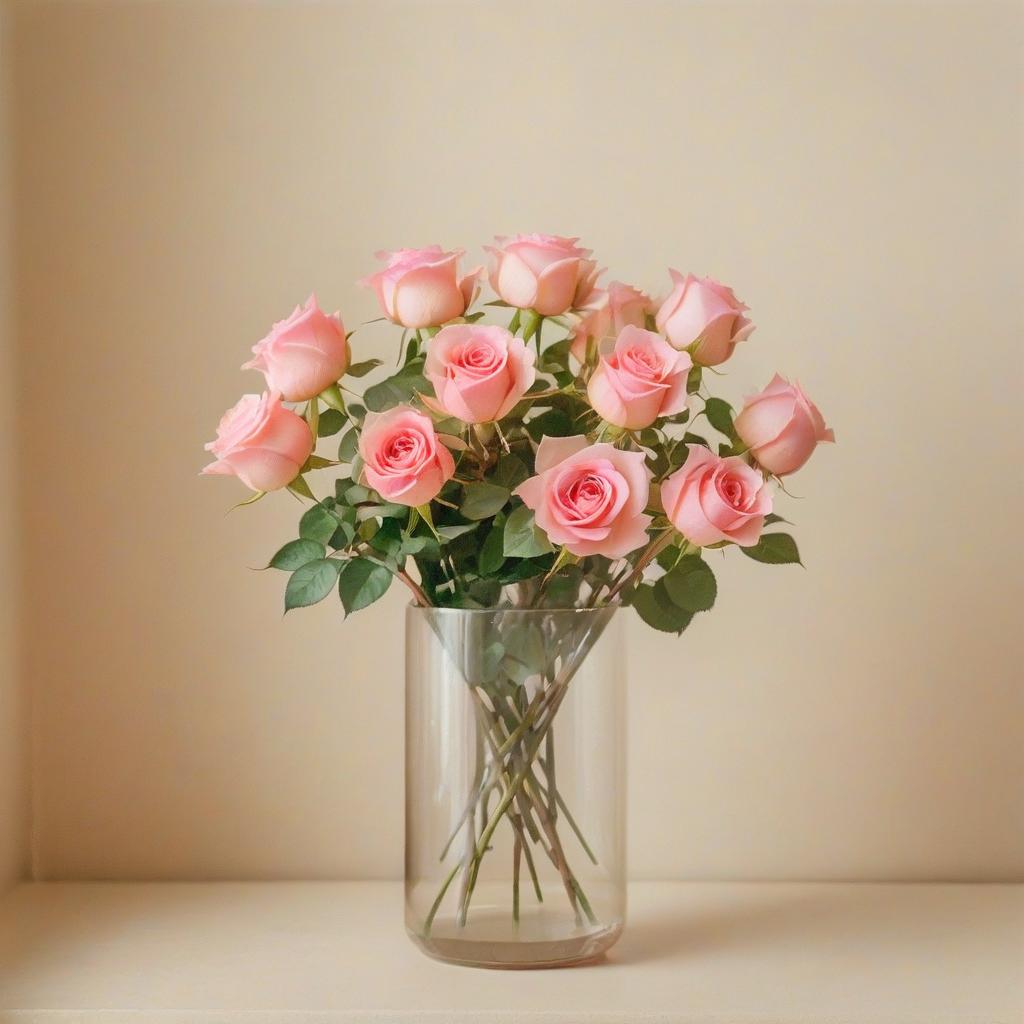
(296,553)
(774,549)
(348,447)
(719,414)
(691,585)
(483,500)
(658,610)
(553,423)
(361,582)
(492,553)
(318,523)
(310,583)
(399,388)
(331,421)
(363,368)
(523,538)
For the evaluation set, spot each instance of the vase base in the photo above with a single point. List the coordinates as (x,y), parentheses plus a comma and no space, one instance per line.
(516,954)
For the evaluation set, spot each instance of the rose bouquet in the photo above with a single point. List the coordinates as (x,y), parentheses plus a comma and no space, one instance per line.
(567,456)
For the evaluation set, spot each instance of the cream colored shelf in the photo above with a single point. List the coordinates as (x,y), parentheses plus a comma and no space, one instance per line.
(325,953)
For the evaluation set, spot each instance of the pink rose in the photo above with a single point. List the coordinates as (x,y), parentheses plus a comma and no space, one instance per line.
(590,498)
(261,442)
(478,372)
(403,459)
(712,499)
(781,426)
(421,287)
(303,354)
(643,378)
(542,272)
(620,305)
(701,308)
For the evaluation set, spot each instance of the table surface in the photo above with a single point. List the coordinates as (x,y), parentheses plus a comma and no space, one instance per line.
(693,953)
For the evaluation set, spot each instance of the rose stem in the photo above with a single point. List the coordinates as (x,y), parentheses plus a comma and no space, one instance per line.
(645,559)
(517,855)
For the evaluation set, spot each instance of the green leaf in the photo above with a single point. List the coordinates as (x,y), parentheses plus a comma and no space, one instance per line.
(483,500)
(332,398)
(300,487)
(719,414)
(772,518)
(363,368)
(331,421)
(492,552)
(553,423)
(296,553)
(356,493)
(348,447)
(425,547)
(693,380)
(318,523)
(774,549)
(523,538)
(387,541)
(691,585)
(310,583)
(510,472)
(398,388)
(451,532)
(656,609)
(564,587)
(361,582)
(251,500)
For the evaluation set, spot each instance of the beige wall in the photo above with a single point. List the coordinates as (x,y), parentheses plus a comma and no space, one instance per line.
(13,717)
(189,172)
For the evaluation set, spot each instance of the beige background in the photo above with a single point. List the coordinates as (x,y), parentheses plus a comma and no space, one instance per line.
(186,173)
(13,710)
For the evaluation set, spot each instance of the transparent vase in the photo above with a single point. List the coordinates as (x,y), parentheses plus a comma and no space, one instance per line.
(515,791)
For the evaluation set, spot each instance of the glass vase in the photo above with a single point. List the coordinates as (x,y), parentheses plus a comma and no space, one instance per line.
(515,797)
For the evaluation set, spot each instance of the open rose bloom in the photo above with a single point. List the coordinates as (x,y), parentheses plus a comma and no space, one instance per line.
(552,458)
(302,354)
(711,500)
(479,373)
(261,442)
(589,497)
(642,380)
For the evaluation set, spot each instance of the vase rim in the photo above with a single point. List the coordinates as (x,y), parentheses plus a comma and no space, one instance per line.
(606,608)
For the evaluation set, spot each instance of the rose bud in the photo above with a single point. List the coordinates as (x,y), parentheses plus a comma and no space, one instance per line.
(421,287)
(303,354)
(479,373)
(712,499)
(701,310)
(261,442)
(589,498)
(643,378)
(545,273)
(620,305)
(404,461)
(781,426)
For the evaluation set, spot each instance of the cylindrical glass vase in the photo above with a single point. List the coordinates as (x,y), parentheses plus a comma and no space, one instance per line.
(515,852)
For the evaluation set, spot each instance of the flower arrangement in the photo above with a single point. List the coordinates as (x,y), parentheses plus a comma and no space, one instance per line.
(560,458)
(567,457)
